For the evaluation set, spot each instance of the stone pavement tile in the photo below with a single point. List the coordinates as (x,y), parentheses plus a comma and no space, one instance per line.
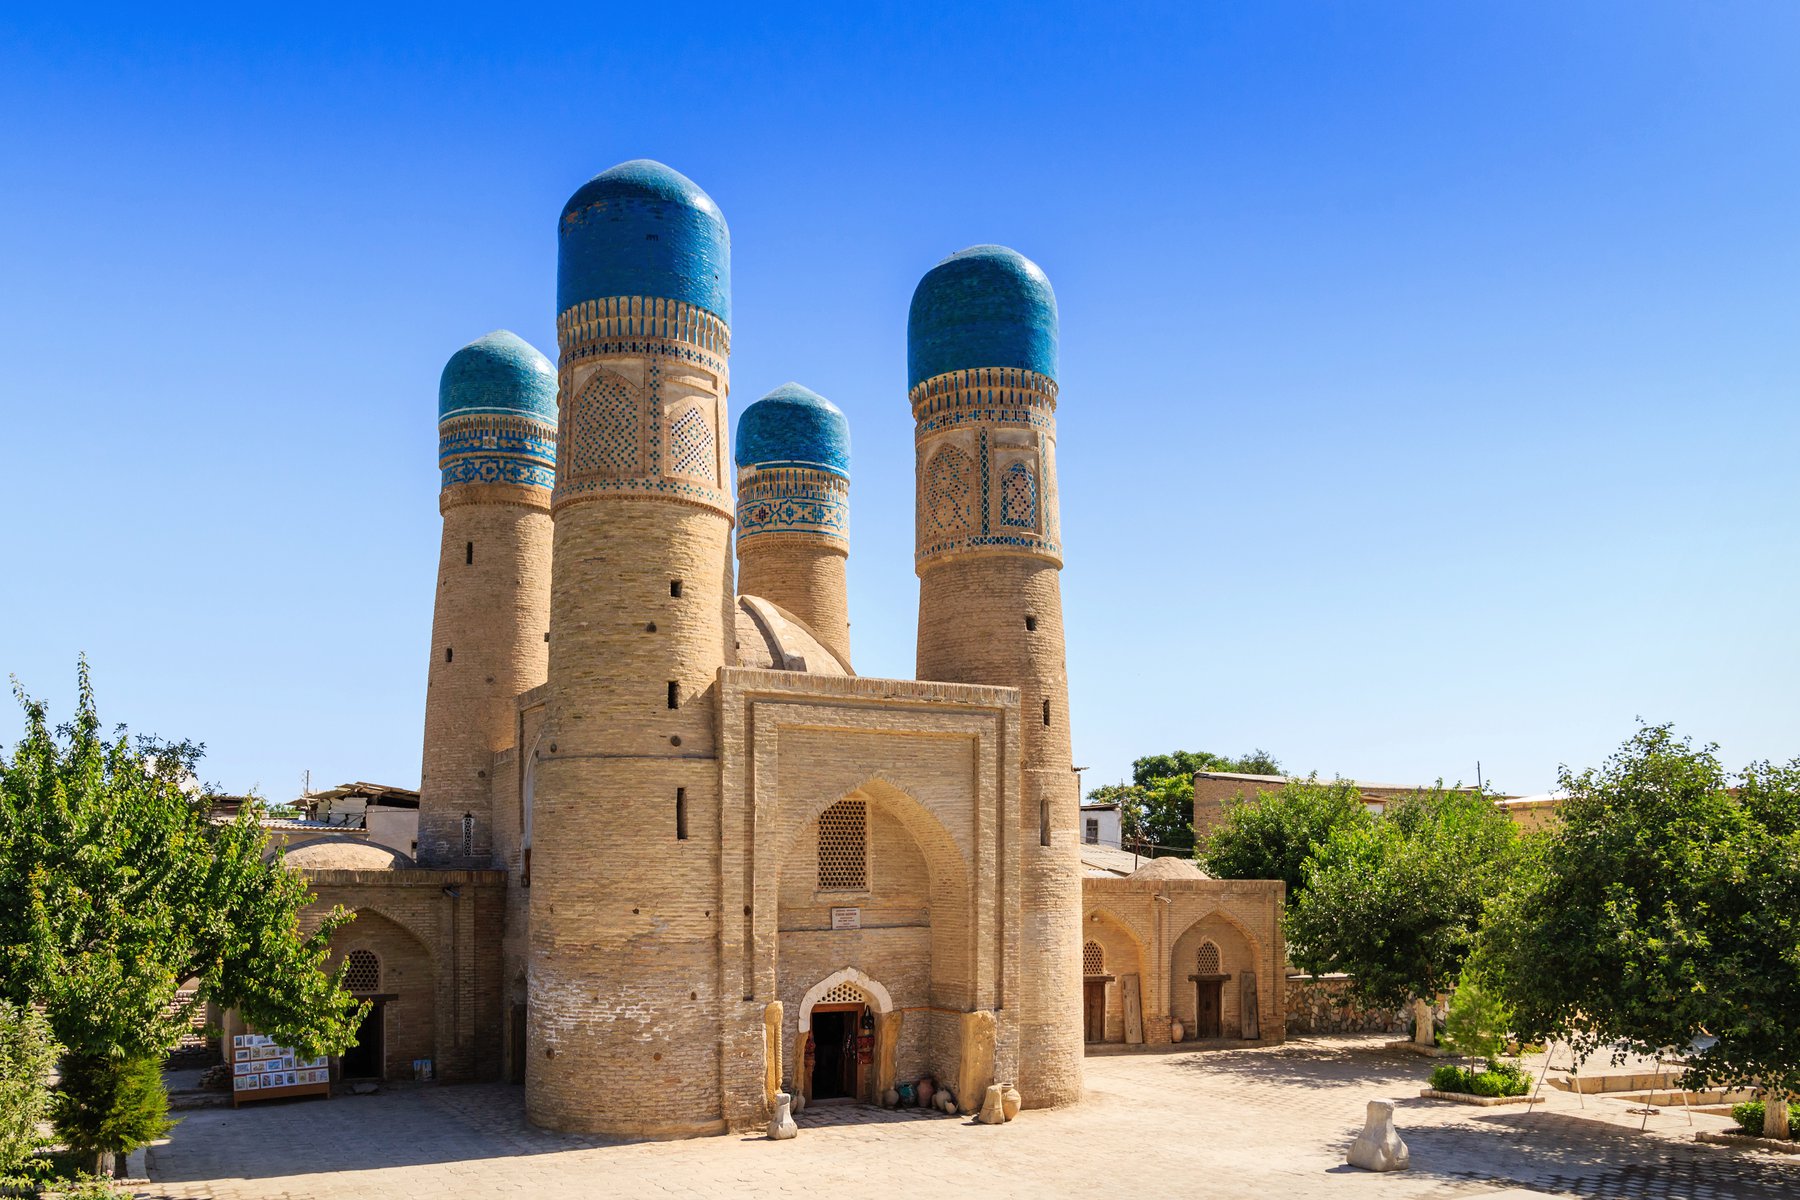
(1256,1122)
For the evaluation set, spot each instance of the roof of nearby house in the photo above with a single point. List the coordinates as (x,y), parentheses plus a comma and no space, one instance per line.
(1169,868)
(1108,862)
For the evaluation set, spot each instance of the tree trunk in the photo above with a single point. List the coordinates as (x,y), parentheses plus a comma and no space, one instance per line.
(1775,1115)
(1424,1027)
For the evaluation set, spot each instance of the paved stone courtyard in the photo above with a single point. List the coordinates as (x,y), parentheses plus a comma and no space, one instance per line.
(1222,1123)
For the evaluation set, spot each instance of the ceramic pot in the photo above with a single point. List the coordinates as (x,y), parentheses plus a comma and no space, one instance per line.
(1010,1101)
(908,1095)
(1177,1031)
(926,1090)
(890,1099)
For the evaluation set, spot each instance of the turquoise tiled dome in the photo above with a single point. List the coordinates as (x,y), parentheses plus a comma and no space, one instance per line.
(793,426)
(500,373)
(643,229)
(987,306)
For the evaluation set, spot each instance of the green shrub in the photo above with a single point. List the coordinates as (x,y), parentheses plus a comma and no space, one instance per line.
(108,1105)
(1498,1079)
(26,1056)
(1749,1118)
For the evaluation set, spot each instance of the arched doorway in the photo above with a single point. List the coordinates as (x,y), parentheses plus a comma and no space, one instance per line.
(871,887)
(837,1027)
(388,968)
(1112,980)
(1207,970)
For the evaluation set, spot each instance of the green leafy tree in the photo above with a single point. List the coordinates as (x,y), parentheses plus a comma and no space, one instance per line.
(1397,902)
(116,887)
(1152,767)
(1664,906)
(1271,835)
(27,1052)
(1157,807)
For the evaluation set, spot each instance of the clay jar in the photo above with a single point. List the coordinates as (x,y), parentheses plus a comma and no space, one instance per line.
(1177,1031)
(926,1087)
(890,1099)
(1010,1100)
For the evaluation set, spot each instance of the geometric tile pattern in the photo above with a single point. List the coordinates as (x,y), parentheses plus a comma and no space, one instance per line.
(691,446)
(793,500)
(946,492)
(496,448)
(604,428)
(1018,497)
(1021,502)
(628,445)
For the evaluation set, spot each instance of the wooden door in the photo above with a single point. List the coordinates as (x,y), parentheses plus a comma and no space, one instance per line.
(1094,993)
(1207,1007)
(1132,997)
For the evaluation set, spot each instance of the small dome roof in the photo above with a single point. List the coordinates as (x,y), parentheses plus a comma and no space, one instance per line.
(987,306)
(643,229)
(1168,868)
(501,373)
(771,637)
(793,426)
(342,854)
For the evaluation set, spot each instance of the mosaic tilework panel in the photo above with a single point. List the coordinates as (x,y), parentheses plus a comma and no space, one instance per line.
(792,500)
(604,429)
(946,492)
(496,448)
(642,227)
(691,446)
(987,306)
(1018,497)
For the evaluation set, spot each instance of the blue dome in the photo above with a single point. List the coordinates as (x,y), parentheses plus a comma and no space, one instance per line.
(986,306)
(794,427)
(500,373)
(643,229)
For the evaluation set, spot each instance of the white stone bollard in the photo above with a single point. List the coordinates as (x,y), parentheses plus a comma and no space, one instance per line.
(1378,1147)
(781,1125)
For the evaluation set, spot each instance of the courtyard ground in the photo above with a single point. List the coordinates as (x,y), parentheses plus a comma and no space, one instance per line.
(1216,1123)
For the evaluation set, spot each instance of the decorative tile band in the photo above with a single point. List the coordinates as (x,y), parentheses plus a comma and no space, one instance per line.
(985,442)
(642,325)
(793,500)
(622,436)
(489,447)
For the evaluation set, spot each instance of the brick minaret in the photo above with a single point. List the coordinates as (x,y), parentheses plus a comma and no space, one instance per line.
(624,1027)
(793,509)
(981,361)
(497,451)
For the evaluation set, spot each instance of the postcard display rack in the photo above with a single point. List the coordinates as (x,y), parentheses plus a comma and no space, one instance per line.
(261,1070)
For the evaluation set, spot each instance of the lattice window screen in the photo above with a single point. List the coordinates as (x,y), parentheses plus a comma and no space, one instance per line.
(364,974)
(844,993)
(1093,959)
(1207,961)
(843,837)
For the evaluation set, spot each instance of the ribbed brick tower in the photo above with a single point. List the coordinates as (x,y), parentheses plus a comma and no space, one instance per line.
(981,362)
(793,509)
(497,451)
(624,1026)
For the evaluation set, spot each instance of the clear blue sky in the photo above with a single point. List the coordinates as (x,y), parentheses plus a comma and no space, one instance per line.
(1429,370)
